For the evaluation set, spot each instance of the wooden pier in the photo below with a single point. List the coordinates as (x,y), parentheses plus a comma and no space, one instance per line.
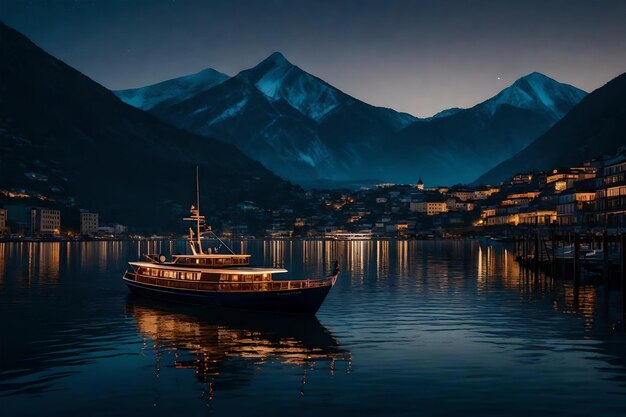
(584,257)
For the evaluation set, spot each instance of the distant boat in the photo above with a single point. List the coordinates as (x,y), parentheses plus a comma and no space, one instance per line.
(350,235)
(500,239)
(225,280)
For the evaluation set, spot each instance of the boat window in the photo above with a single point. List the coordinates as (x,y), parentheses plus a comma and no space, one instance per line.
(190,276)
(211,277)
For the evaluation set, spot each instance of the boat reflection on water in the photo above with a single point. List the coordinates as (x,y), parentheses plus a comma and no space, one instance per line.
(226,348)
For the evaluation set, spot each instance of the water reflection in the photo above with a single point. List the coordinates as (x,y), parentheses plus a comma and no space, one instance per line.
(425,321)
(412,262)
(226,347)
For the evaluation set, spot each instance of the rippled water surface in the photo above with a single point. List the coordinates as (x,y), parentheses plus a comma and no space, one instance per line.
(411,328)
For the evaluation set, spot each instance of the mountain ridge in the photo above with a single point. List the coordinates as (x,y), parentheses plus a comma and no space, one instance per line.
(171,91)
(92,151)
(595,126)
(338,137)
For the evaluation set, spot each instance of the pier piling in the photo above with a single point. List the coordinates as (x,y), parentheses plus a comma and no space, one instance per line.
(576,259)
(605,260)
(623,275)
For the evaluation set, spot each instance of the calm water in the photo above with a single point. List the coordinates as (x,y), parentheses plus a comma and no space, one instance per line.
(411,328)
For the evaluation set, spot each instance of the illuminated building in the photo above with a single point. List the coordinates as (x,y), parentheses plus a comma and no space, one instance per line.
(545,217)
(574,207)
(45,222)
(88,223)
(610,201)
(3,220)
(431,208)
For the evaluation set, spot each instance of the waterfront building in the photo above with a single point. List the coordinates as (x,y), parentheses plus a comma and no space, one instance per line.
(45,222)
(505,219)
(575,207)
(89,223)
(120,229)
(113,229)
(610,201)
(3,220)
(279,233)
(537,217)
(396,228)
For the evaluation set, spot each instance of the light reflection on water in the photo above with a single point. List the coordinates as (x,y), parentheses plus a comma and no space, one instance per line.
(429,327)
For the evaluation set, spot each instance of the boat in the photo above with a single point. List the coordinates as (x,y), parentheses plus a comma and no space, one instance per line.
(224,280)
(342,235)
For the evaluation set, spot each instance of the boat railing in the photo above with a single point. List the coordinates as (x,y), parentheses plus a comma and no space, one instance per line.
(231,286)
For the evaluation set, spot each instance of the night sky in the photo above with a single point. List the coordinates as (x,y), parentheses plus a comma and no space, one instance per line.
(414,56)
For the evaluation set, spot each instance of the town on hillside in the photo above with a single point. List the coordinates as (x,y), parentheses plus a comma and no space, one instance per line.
(586,197)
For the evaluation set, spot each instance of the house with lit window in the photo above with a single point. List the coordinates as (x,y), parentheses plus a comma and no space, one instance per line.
(575,207)
(3,220)
(431,208)
(45,222)
(610,200)
(89,223)
(537,217)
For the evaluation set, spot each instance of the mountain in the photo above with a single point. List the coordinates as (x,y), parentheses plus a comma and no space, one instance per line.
(272,132)
(461,146)
(308,131)
(446,113)
(296,124)
(596,126)
(278,79)
(171,91)
(68,140)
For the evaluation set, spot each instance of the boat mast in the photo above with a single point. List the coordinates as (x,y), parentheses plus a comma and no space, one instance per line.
(198,210)
(195,215)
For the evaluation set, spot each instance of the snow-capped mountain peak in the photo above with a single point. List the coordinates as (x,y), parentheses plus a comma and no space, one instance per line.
(277,58)
(277,79)
(536,91)
(171,91)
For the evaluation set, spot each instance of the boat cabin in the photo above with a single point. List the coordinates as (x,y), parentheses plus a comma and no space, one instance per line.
(211,261)
(214,275)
